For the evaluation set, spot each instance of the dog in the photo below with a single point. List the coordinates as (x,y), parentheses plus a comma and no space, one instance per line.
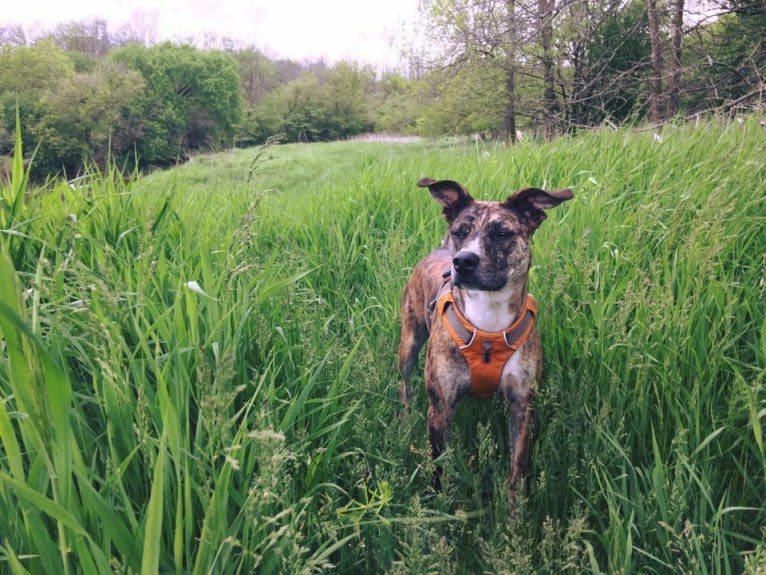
(469,299)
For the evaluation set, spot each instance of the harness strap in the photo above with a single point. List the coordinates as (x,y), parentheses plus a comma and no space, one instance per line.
(457,326)
(513,335)
(485,352)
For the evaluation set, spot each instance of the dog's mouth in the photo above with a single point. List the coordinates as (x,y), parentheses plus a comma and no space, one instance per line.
(472,280)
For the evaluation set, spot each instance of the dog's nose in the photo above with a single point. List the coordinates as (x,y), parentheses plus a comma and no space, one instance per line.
(465,262)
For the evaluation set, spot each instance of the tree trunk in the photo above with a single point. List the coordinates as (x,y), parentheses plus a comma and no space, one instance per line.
(550,105)
(656,94)
(677,31)
(509,119)
(578,115)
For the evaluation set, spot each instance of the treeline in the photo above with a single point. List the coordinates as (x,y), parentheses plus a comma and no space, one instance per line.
(153,104)
(498,68)
(83,95)
(555,66)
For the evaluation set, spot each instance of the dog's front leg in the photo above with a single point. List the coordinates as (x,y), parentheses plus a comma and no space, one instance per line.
(412,339)
(439,418)
(414,333)
(520,415)
(447,381)
(445,388)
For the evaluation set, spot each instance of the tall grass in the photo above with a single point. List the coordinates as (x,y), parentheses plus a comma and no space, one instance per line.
(197,369)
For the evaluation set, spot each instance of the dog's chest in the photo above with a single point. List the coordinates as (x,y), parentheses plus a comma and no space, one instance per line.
(488,310)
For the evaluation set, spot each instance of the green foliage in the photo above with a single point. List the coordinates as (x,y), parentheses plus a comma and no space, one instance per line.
(29,76)
(258,74)
(730,54)
(215,390)
(589,63)
(397,104)
(33,70)
(156,103)
(467,100)
(191,99)
(346,89)
(294,110)
(330,104)
(92,114)
(617,59)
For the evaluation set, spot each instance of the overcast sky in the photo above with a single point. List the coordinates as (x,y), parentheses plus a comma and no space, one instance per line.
(359,30)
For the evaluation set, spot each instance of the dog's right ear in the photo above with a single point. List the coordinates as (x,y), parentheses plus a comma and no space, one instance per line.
(451,195)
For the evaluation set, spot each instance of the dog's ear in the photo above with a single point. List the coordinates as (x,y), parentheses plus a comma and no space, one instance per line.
(451,195)
(529,204)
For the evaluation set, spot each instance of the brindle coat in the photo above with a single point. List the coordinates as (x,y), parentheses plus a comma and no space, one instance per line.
(486,256)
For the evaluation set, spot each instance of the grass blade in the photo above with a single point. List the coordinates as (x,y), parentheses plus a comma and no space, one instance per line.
(150,560)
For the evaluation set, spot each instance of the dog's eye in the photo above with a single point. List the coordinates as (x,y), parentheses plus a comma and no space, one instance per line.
(461,232)
(501,233)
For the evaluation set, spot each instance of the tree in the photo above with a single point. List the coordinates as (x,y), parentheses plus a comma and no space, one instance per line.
(611,70)
(676,32)
(511,34)
(92,113)
(466,100)
(521,38)
(87,37)
(323,104)
(258,74)
(296,111)
(476,33)
(397,104)
(727,60)
(192,99)
(31,70)
(12,35)
(29,75)
(346,89)
(550,103)
(656,84)
(141,28)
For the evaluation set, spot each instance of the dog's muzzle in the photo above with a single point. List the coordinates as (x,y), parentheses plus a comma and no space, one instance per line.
(465,262)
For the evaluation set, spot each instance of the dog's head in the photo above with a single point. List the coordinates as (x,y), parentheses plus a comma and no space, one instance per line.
(489,241)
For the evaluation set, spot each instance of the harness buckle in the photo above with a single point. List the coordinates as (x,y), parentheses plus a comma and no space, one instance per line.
(487,345)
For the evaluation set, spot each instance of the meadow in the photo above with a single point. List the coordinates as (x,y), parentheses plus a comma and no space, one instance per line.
(198,366)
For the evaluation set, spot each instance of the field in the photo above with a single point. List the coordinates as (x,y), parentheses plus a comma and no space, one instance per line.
(198,368)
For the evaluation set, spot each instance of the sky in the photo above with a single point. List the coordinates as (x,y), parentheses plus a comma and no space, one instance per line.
(333,30)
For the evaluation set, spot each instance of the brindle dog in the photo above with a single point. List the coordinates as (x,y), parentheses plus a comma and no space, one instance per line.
(484,261)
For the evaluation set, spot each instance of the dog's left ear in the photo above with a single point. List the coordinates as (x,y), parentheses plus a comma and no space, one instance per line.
(529,204)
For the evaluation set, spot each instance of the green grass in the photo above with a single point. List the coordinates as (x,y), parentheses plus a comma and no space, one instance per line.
(197,369)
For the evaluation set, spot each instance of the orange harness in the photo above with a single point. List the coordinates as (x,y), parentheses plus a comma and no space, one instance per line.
(485,352)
